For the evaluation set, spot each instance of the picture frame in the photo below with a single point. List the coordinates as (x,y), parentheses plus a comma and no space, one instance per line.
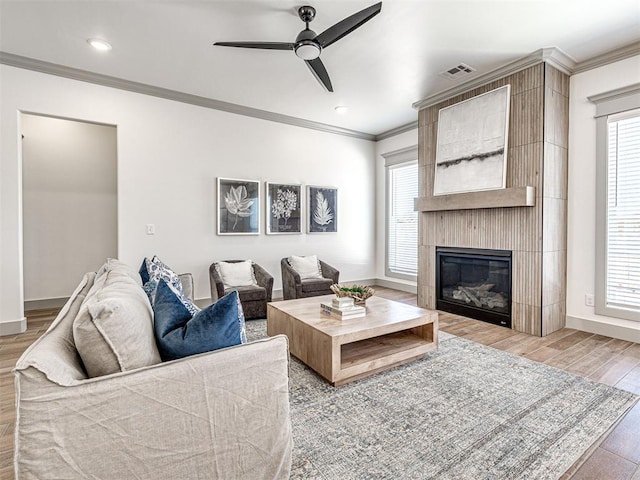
(238,206)
(471,147)
(283,212)
(322,209)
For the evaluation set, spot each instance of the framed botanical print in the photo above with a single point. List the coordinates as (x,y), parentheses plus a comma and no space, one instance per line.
(283,210)
(322,209)
(238,207)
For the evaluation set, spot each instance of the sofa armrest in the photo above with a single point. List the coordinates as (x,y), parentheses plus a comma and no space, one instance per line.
(264,279)
(223,414)
(215,283)
(329,272)
(187,285)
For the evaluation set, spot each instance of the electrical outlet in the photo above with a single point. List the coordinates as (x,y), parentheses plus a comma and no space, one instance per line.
(589,300)
(151,229)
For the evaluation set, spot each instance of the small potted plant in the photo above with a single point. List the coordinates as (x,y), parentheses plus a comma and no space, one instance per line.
(359,293)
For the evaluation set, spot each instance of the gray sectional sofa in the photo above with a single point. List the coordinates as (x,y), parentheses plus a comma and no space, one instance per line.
(217,415)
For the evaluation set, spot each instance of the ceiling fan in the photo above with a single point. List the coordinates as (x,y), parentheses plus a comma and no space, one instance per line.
(308,44)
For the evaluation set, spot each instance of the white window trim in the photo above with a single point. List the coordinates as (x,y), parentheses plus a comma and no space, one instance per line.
(608,104)
(397,157)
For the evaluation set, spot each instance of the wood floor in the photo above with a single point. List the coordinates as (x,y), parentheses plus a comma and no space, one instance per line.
(603,359)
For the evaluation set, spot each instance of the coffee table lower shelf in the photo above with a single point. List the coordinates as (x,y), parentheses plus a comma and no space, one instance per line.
(366,357)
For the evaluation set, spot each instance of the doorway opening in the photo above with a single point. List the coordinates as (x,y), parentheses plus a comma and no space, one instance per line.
(69,204)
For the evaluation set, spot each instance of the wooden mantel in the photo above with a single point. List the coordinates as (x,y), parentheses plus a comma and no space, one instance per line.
(505,197)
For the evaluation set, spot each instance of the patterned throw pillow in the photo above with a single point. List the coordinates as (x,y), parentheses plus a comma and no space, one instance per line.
(180,334)
(154,270)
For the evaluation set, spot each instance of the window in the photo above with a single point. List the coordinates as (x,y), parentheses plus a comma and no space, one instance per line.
(623,212)
(402,220)
(618,204)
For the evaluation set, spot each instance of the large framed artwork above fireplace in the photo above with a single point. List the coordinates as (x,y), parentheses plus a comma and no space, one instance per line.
(475,283)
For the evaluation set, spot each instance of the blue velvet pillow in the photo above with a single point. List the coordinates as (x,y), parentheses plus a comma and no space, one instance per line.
(178,334)
(144,272)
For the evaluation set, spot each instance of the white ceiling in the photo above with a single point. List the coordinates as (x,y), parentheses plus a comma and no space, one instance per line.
(378,71)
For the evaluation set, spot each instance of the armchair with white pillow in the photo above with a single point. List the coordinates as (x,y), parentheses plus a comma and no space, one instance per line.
(306,277)
(253,283)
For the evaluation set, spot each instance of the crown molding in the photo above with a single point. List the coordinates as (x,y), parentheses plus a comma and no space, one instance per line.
(397,131)
(145,89)
(559,59)
(552,55)
(621,53)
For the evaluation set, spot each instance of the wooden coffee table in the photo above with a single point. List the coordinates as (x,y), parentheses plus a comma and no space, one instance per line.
(341,351)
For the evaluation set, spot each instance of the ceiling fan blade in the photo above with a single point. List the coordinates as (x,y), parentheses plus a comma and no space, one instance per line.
(261,45)
(348,25)
(317,68)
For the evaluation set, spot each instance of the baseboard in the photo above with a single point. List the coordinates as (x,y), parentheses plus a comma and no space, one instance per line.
(601,328)
(45,303)
(13,327)
(277,293)
(403,287)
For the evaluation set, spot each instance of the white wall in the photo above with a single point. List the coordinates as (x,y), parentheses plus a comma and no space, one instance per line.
(169,155)
(388,145)
(581,207)
(69,186)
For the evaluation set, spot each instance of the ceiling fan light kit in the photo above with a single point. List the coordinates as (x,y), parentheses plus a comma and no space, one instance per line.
(307,50)
(308,45)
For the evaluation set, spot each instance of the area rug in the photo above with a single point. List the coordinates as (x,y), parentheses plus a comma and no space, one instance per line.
(465,411)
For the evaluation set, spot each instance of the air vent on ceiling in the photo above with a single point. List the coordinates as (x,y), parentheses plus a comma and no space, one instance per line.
(459,71)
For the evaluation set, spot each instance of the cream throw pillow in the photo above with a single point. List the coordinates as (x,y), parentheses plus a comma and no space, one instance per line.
(236,274)
(307,267)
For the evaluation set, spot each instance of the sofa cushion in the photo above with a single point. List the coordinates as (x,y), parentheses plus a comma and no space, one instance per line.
(250,293)
(113,264)
(179,334)
(317,285)
(113,331)
(306,267)
(236,274)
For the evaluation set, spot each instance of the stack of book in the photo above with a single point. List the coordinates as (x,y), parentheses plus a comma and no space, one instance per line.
(343,308)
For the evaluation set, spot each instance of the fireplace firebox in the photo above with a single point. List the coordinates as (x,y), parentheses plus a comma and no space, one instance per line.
(475,283)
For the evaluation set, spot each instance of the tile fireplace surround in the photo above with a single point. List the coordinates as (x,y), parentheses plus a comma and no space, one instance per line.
(528,217)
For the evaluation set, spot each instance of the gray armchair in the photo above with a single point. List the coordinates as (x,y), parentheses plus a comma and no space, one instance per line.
(253,298)
(294,287)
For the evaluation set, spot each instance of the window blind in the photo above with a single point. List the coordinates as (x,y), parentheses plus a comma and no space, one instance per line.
(623,212)
(402,235)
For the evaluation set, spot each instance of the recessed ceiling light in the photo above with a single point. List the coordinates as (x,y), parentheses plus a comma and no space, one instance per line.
(341,109)
(98,44)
